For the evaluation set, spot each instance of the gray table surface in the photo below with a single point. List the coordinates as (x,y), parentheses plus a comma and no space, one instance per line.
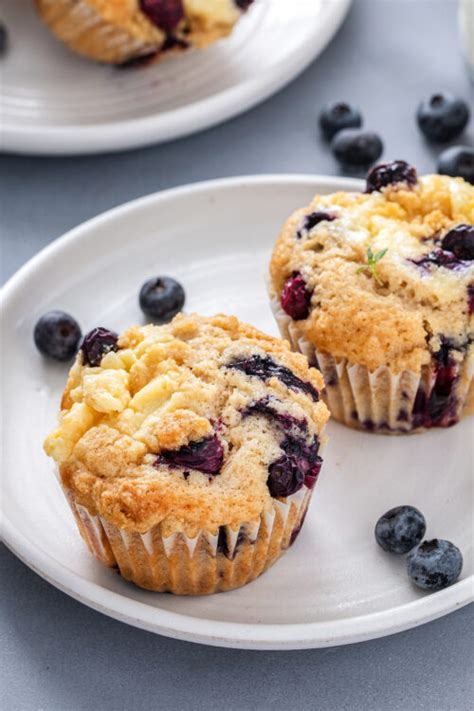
(57,654)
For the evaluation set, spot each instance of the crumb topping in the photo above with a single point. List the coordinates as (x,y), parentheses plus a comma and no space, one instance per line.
(170,387)
(398,318)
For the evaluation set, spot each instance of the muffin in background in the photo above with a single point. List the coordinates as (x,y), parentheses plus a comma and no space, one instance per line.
(377,290)
(189,452)
(129,31)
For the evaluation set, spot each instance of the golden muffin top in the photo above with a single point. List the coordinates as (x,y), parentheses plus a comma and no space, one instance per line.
(181,424)
(381,277)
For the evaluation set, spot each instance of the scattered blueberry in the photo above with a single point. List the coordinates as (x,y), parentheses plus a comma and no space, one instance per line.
(460,241)
(96,344)
(165,14)
(3,39)
(457,161)
(264,368)
(435,564)
(295,298)
(335,117)
(57,335)
(355,147)
(442,117)
(400,529)
(313,219)
(399,171)
(205,455)
(161,298)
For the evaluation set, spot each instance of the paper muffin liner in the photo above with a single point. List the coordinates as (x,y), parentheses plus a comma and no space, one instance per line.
(83,29)
(379,400)
(207,563)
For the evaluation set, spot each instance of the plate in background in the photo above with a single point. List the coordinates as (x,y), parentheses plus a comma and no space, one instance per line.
(54,102)
(335,585)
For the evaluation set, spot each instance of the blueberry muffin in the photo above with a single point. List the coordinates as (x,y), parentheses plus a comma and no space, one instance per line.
(188,452)
(129,31)
(377,290)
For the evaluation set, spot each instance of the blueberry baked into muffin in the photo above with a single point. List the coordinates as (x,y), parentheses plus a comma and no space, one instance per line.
(377,290)
(125,31)
(189,452)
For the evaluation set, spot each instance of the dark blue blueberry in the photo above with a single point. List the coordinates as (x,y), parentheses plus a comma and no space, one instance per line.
(400,529)
(264,368)
(435,564)
(161,298)
(165,14)
(355,147)
(57,335)
(442,117)
(399,171)
(300,464)
(440,258)
(335,117)
(457,161)
(460,241)
(438,407)
(96,344)
(205,455)
(295,297)
(285,477)
(3,39)
(313,219)
(286,421)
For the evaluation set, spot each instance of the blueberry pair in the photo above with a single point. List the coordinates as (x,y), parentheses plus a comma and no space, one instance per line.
(431,565)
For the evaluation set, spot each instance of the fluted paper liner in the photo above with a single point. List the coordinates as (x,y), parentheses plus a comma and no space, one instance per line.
(380,400)
(207,563)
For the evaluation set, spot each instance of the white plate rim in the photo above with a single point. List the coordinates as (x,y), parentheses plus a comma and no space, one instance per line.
(176,123)
(187,627)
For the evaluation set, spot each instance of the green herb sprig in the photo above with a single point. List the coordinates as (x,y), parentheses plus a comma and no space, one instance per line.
(372,261)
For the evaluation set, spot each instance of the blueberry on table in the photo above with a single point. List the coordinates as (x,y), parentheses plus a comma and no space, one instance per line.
(460,241)
(442,117)
(335,117)
(161,298)
(57,335)
(400,529)
(355,147)
(96,344)
(435,564)
(458,162)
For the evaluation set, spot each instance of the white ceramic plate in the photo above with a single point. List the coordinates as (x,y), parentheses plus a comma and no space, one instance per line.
(52,101)
(335,585)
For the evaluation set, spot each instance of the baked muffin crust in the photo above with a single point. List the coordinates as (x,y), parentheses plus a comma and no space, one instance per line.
(118,31)
(167,388)
(400,319)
